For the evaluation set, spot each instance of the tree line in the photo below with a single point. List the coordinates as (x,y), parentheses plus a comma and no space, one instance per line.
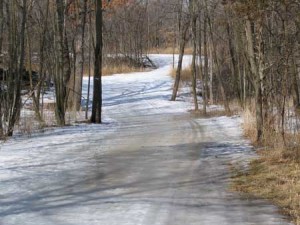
(58,41)
(249,51)
(242,50)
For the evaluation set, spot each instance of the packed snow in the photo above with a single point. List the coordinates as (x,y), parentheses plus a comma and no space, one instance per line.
(150,162)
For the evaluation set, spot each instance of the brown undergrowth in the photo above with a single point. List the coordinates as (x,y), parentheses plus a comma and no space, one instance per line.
(109,70)
(118,69)
(170,50)
(185,75)
(275,174)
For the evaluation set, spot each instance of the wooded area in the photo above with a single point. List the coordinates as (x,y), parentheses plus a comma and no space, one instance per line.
(242,50)
(176,131)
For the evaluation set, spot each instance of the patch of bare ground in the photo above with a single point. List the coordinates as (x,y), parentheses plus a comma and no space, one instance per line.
(275,174)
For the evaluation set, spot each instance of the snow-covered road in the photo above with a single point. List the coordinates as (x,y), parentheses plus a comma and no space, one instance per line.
(150,163)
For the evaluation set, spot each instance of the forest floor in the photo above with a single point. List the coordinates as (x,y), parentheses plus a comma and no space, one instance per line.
(151,163)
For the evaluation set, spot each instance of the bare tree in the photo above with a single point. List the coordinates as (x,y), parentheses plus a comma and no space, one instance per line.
(97,93)
(16,68)
(184,24)
(193,16)
(64,71)
(1,42)
(78,81)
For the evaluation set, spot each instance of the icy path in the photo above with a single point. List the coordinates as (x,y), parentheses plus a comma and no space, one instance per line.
(151,163)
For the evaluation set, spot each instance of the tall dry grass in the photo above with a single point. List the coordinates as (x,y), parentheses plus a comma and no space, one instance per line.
(121,68)
(186,73)
(249,125)
(117,65)
(108,70)
(275,174)
(170,50)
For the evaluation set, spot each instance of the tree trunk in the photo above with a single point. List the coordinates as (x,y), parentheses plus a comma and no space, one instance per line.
(1,24)
(35,101)
(211,76)
(16,106)
(205,72)
(89,78)
(78,80)
(179,65)
(42,77)
(64,70)
(194,37)
(257,80)
(295,88)
(1,41)
(234,64)
(97,94)
(216,60)
(201,69)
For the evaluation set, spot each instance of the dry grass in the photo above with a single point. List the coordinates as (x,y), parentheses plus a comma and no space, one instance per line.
(170,50)
(249,125)
(108,69)
(235,106)
(209,114)
(115,69)
(186,73)
(117,65)
(275,175)
(27,125)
